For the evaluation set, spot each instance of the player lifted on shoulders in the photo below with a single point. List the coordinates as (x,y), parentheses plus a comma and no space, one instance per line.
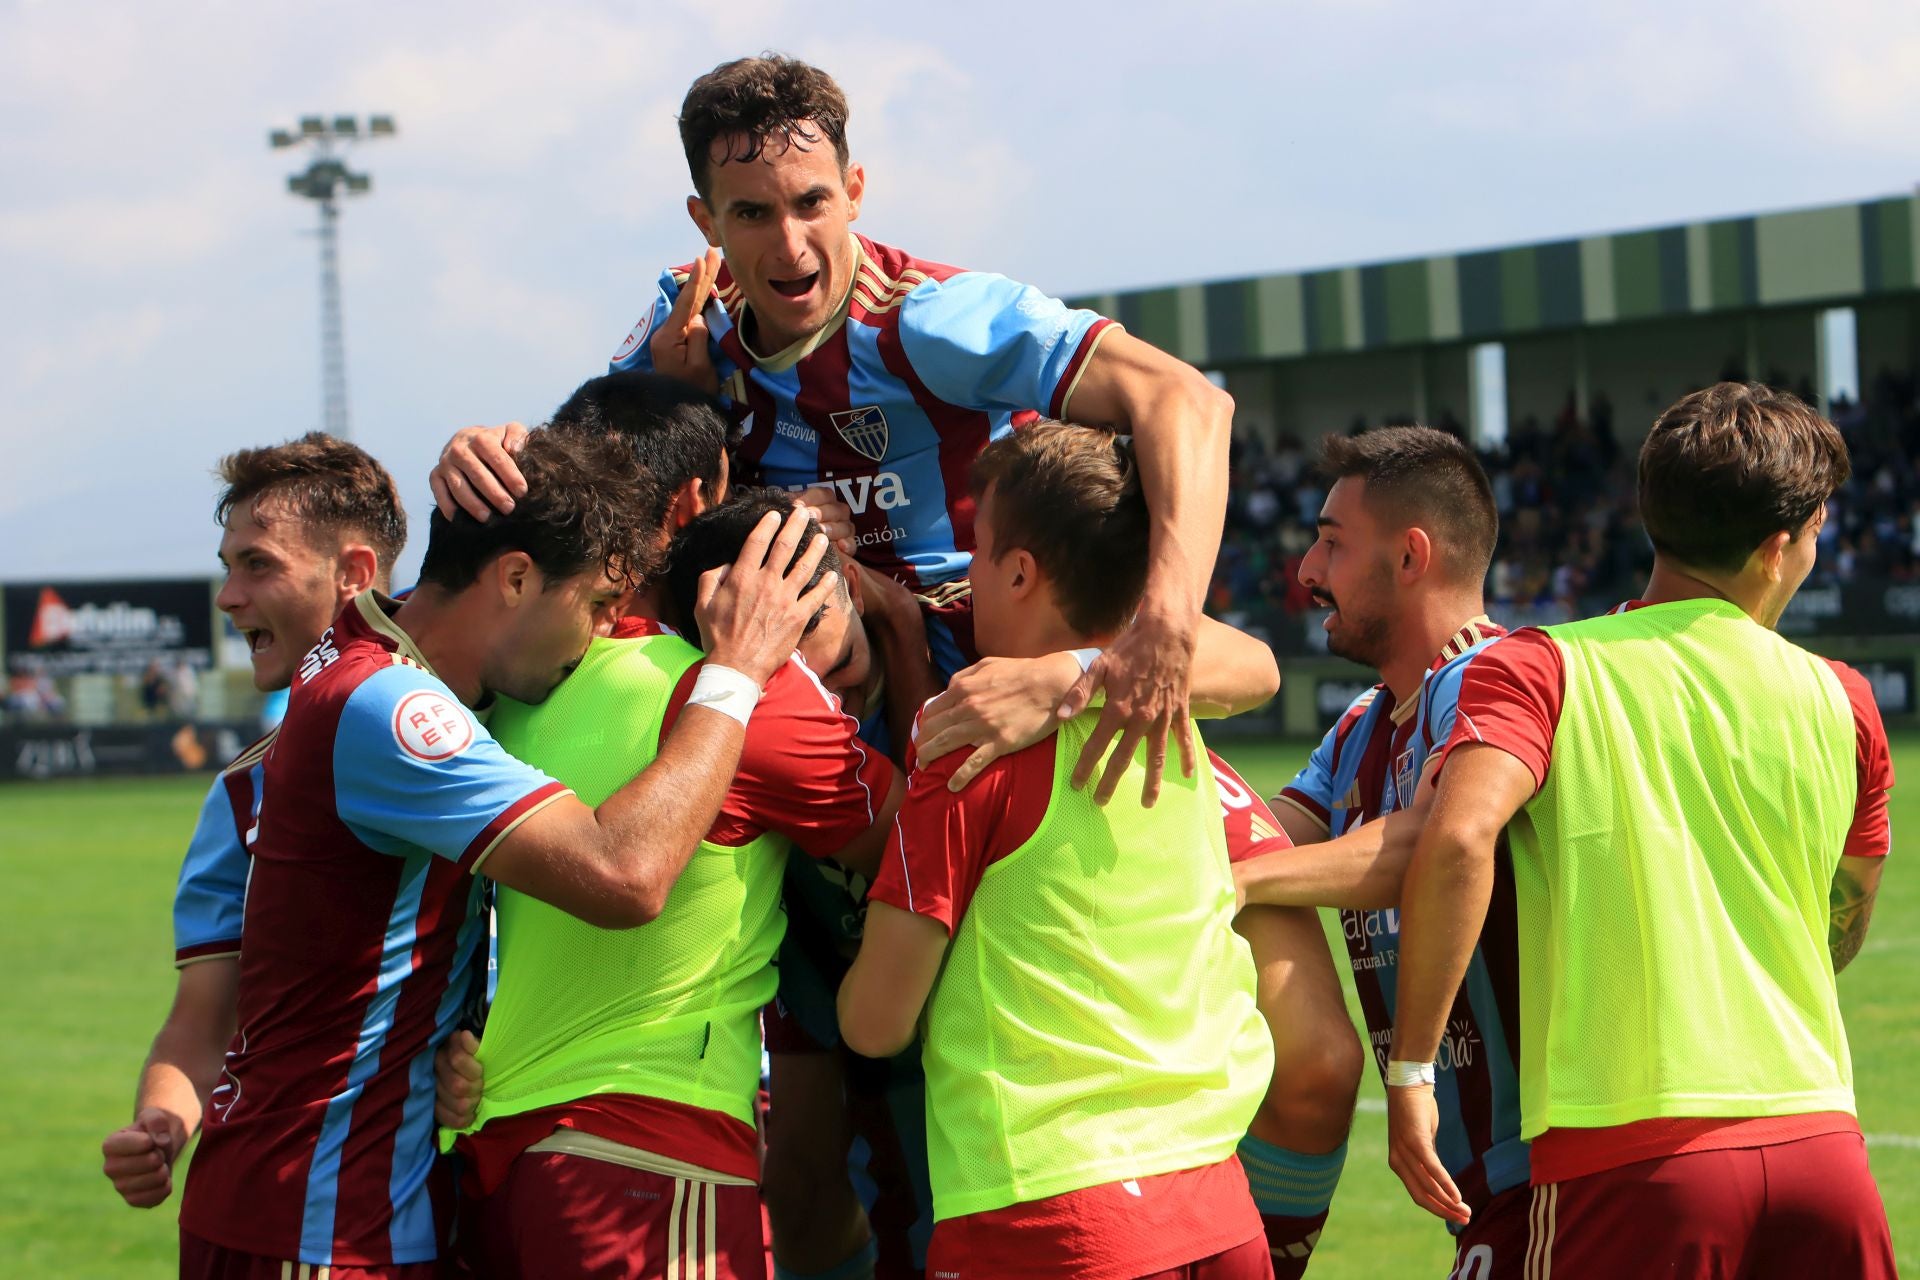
(383,798)
(308,525)
(1406,534)
(860,366)
(1697,815)
(1093,1048)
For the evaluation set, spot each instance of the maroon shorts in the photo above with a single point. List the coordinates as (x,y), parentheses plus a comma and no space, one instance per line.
(1792,1209)
(568,1215)
(204,1260)
(1249,1261)
(1494,1245)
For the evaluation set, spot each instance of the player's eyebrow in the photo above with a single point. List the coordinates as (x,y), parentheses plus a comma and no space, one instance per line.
(744,205)
(1327,522)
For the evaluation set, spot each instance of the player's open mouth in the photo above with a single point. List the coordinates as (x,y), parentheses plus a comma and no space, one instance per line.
(257,641)
(798,287)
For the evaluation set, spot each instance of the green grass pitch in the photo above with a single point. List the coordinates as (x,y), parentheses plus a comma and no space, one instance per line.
(89,869)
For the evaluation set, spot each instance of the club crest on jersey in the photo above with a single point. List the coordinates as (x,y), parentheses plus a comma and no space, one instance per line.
(432,726)
(1405,777)
(863,429)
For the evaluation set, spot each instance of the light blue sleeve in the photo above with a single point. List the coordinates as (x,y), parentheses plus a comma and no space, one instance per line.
(209,903)
(1440,702)
(634,354)
(982,341)
(1314,783)
(414,769)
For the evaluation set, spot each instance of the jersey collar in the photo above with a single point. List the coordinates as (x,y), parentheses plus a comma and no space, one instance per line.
(376,612)
(1478,628)
(787,357)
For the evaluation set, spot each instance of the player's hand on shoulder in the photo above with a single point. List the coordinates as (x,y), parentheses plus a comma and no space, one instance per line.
(138,1159)
(751,613)
(997,706)
(679,346)
(476,472)
(1146,674)
(457,1081)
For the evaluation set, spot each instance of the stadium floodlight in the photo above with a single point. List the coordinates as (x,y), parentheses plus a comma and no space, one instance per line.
(323,182)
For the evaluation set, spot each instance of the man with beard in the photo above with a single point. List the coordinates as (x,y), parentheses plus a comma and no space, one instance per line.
(1406,534)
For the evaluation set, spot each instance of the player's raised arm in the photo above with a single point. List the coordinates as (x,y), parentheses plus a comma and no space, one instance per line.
(614,865)
(1180,424)
(1001,705)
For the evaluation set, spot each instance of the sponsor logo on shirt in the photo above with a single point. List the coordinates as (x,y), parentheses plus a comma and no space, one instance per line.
(883,491)
(797,431)
(864,430)
(432,726)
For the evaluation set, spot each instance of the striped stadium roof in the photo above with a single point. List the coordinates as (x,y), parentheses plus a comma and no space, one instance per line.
(1836,253)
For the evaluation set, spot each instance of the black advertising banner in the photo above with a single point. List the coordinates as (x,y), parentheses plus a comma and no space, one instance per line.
(64,751)
(71,628)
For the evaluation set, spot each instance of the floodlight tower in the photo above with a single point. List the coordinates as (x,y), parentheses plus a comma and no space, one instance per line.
(324,181)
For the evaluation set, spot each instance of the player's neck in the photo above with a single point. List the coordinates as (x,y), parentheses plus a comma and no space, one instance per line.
(449,636)
(1670,583)
(1423,632)
(1041,631)
(650,602)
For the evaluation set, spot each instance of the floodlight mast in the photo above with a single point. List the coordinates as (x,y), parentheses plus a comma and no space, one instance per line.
(323,183)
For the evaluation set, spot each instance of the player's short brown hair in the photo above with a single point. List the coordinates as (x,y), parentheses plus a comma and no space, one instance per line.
(587,507)
(333,488)
(1726,468)
(1071,497)
(738,109)
(1420,477)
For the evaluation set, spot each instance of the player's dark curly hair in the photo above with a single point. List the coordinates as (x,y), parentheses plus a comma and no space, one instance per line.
(740,108)
(715,536)
(1726,468)
(678,432)
(587,506)
(1071,497)
(1420,477)
(328,485)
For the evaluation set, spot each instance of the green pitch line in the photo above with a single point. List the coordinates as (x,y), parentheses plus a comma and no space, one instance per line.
(86,974)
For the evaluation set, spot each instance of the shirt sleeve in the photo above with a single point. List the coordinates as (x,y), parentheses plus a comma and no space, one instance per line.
(943,843)
(209,903)
(1311,791)
(804,771)
(987,342)
(634,355)
(1509,697)
(1251,827)
(413,769)
(1871,834)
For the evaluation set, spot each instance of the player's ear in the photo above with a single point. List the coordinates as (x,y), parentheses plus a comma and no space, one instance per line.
(1026,574)
(1416,555)
(702,218)
(850,583)
(689,500)
(1771,556)
(856,181)
(356,569)
(517,578)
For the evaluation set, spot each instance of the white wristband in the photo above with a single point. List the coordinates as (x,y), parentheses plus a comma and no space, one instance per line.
(726,691)
(1084,657)
(1402,1074)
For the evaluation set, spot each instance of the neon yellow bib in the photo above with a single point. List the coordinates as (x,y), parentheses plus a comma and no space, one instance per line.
(1095,1019)
(1672,876)
(670,1010)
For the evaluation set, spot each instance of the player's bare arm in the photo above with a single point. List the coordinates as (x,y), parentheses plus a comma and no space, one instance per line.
(887,988)
(1855,885)
(1364,869)
(1180,425)
(1443,905)
(1001,705)
(615,865)
(181,1070)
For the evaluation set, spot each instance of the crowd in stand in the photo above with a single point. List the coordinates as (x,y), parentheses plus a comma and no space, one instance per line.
(1570,539)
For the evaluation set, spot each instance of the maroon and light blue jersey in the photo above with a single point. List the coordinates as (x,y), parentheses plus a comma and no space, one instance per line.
(893,400)
(362,942)
(210,899)
(1369,765)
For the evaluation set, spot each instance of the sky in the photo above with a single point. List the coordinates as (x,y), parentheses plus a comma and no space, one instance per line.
(158,292)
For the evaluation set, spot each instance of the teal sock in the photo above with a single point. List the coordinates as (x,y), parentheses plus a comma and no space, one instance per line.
(858,1267)
(1291,1184)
